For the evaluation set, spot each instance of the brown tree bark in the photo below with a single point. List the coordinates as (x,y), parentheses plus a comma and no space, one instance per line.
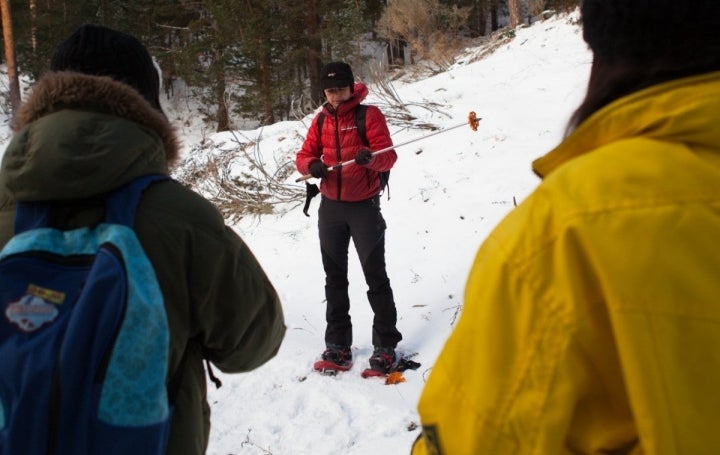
(315,54)
(494,25)
(10,55)
(222,115)
(33,21)
(267,102)
(514,10)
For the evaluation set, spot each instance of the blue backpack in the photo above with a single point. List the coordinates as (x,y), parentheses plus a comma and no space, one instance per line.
(83,336)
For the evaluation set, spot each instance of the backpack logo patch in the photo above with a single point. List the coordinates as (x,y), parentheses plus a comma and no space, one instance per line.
(33,311)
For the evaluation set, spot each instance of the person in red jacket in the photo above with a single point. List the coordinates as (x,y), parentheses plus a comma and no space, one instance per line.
(350,209)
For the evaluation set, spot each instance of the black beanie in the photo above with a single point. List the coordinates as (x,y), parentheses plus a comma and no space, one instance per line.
(101,51)
(337,75)
(646,31)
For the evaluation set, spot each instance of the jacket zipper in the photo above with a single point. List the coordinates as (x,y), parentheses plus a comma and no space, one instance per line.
(338,154)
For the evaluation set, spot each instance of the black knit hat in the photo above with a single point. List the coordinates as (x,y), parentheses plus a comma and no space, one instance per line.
(336,75)
(646,31)
(101,51)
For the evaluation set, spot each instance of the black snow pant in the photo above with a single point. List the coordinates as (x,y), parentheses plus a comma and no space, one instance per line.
(362,221)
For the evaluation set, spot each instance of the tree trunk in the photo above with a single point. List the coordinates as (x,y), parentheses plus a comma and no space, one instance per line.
(33,29)
(10,55)
(269,116)
(514,10)
(315,57)
(222,116)
(480,16)
(494,25)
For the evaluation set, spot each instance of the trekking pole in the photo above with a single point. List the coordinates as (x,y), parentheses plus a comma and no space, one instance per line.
(473,121)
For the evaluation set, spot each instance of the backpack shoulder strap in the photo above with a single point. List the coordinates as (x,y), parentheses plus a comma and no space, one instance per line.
(121,205)
(320,121)
(360,112)
(359,122)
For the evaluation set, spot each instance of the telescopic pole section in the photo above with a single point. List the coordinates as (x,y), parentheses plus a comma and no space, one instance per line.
(473,121)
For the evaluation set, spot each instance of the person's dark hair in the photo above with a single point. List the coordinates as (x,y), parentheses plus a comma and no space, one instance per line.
(640,43)
(611,81)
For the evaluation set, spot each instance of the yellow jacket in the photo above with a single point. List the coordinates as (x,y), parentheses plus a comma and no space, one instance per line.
(591,321)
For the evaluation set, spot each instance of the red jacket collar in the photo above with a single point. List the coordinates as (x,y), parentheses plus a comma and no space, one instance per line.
(360,92)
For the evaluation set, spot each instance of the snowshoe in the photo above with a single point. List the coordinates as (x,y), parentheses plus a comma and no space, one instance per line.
(334,360)
(381,363)
(399,364)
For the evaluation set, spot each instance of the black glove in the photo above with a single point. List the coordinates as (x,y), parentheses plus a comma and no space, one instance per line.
(363,157)
(318,169)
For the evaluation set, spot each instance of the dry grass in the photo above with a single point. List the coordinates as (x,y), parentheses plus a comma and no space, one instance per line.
(429,27)
(238,182)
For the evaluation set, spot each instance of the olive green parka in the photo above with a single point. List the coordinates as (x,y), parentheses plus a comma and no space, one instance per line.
(79,136)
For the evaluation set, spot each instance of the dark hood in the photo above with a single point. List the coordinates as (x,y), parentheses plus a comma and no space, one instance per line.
(79,135)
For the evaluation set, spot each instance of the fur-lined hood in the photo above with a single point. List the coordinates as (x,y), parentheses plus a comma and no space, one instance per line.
(63,90)
(79,135)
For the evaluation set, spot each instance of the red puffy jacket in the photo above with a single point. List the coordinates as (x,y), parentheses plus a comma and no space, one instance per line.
(340,142)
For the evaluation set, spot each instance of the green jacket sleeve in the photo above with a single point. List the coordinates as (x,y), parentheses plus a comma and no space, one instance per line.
(240,318)
(217,294)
